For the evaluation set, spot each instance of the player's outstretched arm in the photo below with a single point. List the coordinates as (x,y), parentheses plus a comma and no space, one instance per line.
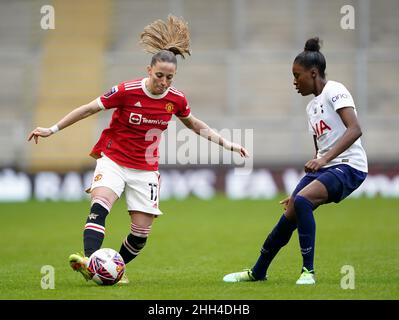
(75,115)
(202,129)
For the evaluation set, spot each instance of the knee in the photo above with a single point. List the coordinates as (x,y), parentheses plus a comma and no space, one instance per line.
(290,211)
(301,202)
(103,201)
(141,223)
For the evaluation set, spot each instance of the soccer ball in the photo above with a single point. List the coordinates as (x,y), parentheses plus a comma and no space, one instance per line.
(107,266)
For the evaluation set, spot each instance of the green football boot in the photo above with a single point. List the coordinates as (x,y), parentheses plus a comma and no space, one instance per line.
(307,277)
(242,276)
(80,263)
(123,280)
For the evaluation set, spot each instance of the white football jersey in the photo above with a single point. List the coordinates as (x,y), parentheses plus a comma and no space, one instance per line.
(326,124)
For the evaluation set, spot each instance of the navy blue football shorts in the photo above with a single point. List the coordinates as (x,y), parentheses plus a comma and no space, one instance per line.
(340,180)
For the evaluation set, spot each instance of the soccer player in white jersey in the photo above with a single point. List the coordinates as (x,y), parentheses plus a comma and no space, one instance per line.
(338,168)
(127,151)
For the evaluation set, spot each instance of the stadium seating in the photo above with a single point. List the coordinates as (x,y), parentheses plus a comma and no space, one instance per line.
(239,75)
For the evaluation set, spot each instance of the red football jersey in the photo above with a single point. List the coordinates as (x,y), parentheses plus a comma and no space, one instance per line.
(134,133)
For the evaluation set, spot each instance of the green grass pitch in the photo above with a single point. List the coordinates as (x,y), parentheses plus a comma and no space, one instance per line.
(195,243)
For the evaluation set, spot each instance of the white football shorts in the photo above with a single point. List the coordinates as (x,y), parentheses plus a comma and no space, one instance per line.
(141,186)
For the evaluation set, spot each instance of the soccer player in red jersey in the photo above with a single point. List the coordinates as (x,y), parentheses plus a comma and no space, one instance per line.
(127,151)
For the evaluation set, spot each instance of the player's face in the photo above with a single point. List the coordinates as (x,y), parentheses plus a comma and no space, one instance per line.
(160,76)
(303,79)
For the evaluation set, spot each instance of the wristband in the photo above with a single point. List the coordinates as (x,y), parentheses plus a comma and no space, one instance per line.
(54,128)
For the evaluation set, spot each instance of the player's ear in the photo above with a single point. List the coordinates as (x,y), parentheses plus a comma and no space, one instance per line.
(313,72)
(149,69)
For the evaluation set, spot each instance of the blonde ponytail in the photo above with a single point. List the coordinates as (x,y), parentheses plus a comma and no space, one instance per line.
(172,35)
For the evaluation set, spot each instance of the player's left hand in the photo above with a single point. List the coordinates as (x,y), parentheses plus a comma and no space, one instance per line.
(235,147)
(314,165)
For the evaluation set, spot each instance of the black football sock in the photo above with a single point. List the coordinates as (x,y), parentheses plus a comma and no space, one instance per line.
(278,238)
(94,232)
(134,242)
(306,230)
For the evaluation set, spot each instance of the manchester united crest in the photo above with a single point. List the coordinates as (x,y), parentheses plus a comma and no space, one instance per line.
(169,107)
(98,177)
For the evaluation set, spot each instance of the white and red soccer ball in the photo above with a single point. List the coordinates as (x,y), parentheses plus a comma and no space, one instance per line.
(107,266)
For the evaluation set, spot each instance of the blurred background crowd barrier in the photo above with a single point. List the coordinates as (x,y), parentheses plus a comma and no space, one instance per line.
(238,78)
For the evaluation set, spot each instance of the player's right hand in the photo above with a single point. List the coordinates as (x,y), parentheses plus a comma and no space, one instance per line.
(39,132)
(285,202)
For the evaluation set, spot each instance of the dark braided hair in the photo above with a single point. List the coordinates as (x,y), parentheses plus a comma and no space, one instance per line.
(312,57)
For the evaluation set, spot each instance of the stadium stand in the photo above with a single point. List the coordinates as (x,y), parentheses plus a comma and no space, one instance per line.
(71,75)
(239,75)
